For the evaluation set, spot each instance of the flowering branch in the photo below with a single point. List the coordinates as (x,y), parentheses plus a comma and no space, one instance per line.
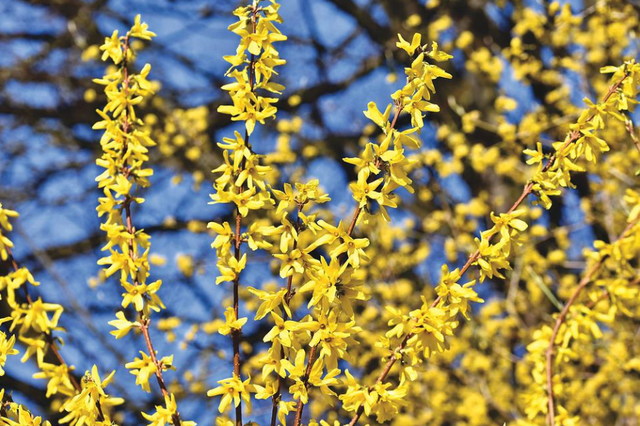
(35,331)
(242,181)
(588,277)
(342,259)
(125,148)
(490,258)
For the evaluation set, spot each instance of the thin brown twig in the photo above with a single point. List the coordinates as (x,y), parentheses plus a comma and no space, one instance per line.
(236,333)
(632,132)
(131,230)
(4,403)
(275,399)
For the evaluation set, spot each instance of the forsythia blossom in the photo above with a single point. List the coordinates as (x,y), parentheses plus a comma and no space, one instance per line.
(125,149)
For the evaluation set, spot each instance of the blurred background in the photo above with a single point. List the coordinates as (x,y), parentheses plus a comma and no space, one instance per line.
(520,71)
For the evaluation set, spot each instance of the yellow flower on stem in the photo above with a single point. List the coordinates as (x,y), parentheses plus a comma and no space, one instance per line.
(231,322)
(354,247)
(233,390)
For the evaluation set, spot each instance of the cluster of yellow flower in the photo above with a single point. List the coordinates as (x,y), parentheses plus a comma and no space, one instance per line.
(327,330)
(582,140)
(388,160)
(14,414)
(256,28)
(312,320)
(243,178)
(329,327)
(610,266)
(35,322)
(425,329)
(125,149)
(5,242)
(611,269)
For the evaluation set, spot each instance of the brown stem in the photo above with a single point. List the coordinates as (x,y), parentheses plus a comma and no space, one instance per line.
(550,353)
(6,402)
(275,399)
(632,133)
(354,219)
(145,322)
(236,333)
(56,353)
(131,230)
(305,380)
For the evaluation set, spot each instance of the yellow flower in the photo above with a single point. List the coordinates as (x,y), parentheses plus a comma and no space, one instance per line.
(363,190)
(632,198)
(233,390)
(230,268)
(536,155)
(23,416)
(5,242)
(122,325)
(332,283)
(271,302)
(58,376)
(138,294)
(185,264)
(287,231)
(164,414)
(333,233)
(458,296)
(112,48)
(333,337)
(590,145)
(143,368)
(224,236)
(6,348)
(409,48)
(354,247)
(492,259)
(292,261)
(83,407)
(438,55)
(280,334)
(5,214)
(374,114)
(140,30)
(506,222)
(231,322)
(36,317)
(286,198)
